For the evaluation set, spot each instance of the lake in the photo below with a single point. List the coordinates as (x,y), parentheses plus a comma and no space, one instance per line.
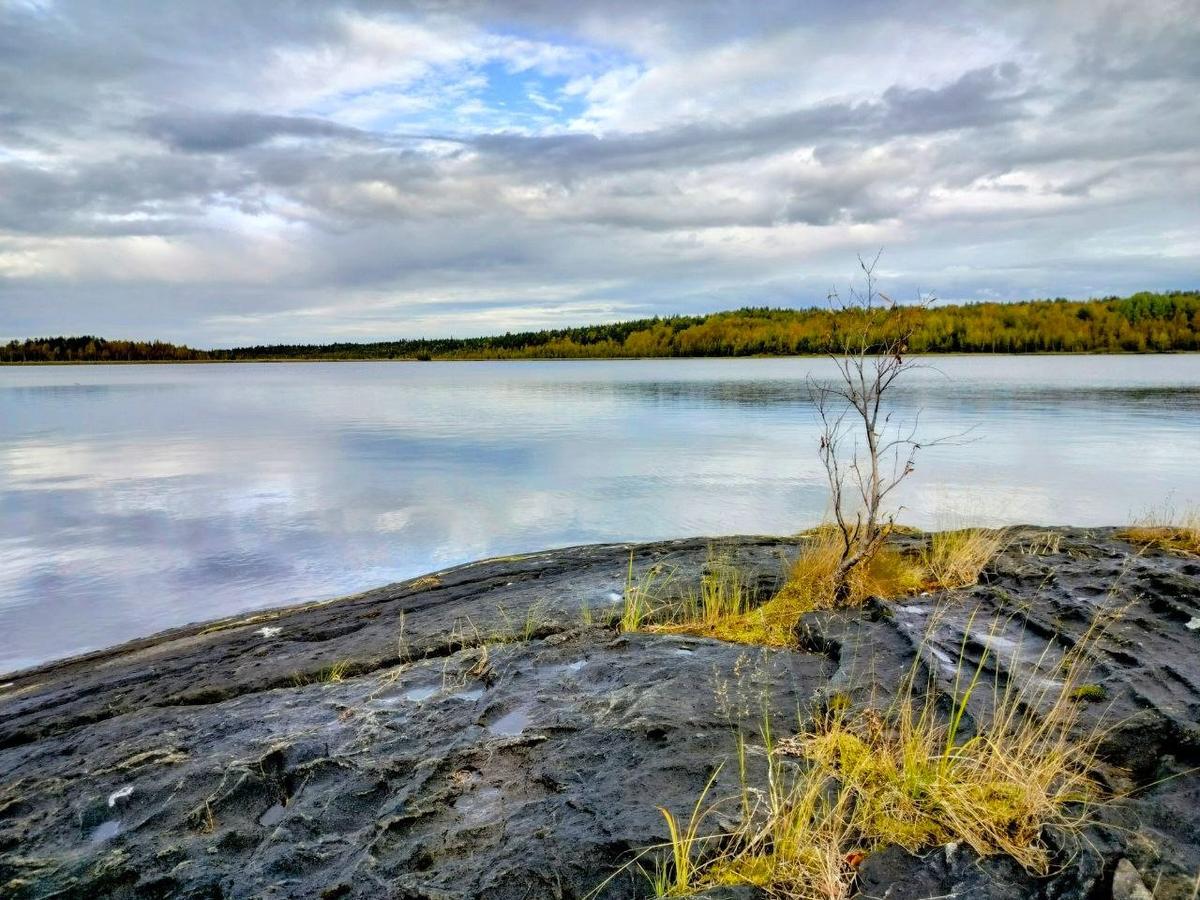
(135,498)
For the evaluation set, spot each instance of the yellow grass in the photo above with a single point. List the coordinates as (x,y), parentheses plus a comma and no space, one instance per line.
(913,785)
(908,777)
(640,597)
(1167,530)
(795,846)
(725,607)
(725,593)
(684,839)
(810,586)
(956,558)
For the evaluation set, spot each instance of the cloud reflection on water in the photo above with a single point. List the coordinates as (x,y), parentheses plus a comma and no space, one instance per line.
(138,498)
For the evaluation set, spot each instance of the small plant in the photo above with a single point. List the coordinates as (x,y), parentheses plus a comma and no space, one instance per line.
(724,591)
(482,669)
(790,843)
(401,641)
(334,674)
(865,453)
(536,619)
(638,601)
(811,584)
(724,606)
(1045,543)
(1091,693)
(683,842)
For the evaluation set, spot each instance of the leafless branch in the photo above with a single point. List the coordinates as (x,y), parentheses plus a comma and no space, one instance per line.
(869,347)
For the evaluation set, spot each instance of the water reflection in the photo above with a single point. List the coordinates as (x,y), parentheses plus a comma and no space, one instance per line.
(136,498)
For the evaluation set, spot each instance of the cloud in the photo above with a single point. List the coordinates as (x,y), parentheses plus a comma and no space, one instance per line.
(224,172)
(223,132)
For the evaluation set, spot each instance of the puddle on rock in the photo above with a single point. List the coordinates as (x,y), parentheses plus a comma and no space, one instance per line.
(999,644)
(273,815)
(511,723)
(948,665)
(566,668)
(469,695)
(105,831)
(419,694)
(484,806)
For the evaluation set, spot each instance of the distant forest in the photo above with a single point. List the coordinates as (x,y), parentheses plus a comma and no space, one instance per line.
(1142,323)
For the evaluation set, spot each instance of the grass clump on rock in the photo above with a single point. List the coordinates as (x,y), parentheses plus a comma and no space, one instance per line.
(1169,530)
(811,585)
(858,779)
(725,607)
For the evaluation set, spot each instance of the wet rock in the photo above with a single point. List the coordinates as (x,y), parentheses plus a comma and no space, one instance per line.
(950,871)
(741,892)
(470,734)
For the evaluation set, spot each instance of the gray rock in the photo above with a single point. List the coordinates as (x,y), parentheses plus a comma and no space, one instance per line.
(466,735)
(950,871)
(1128,884)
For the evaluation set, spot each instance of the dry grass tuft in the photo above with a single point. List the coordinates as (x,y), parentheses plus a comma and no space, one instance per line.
(956,558)
(795,845)
(810,586)
(907,776)
(724,608)
(1167,530)
(915,785)
(725,594)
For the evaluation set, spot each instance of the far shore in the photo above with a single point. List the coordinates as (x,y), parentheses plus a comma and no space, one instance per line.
(528,359)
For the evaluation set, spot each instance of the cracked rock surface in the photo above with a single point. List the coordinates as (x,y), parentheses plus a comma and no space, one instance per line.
(483,732)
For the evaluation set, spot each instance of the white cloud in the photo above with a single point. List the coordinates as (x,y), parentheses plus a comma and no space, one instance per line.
(224,171)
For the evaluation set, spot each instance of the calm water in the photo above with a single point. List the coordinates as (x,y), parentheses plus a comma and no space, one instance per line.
(135,498)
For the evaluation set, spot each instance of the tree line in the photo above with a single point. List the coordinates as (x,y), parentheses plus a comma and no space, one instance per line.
(95,349)
(1142,323)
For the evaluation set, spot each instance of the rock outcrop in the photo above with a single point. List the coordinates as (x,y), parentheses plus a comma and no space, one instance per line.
(483,732)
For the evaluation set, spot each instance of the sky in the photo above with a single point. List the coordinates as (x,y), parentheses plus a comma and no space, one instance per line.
(223,173)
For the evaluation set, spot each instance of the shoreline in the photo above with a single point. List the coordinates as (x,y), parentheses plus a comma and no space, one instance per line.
(256,614)
(524,359)
(200,627)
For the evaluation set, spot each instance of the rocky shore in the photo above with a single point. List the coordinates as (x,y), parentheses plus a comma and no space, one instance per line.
(486,732)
